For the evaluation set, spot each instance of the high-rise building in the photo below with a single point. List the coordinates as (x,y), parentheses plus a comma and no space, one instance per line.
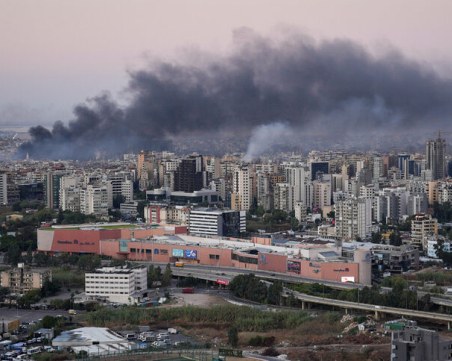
(189,174)
(52,189)
(3,188)
(436,157)
(319,167)
(96,199)
(402,162)
(242,196)
(298,179)
(353,218)
(423,226)
(283,198)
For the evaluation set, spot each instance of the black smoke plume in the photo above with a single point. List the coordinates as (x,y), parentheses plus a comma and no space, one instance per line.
(335,87)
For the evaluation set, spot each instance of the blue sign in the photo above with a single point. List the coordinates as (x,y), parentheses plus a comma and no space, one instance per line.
(178,252)
(123,245)
(191,253)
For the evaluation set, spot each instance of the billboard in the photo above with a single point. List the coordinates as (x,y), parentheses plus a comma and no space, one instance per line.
(191,254)
(123,245)
(293,267)
(178,253)
(348,279)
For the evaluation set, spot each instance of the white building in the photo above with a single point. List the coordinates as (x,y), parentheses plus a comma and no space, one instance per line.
(120,285)
(283,197)
(96,199)
(353,218)
(431,247)
(70,199)
(321,194)
(299,178)
(217,222)
(127,190)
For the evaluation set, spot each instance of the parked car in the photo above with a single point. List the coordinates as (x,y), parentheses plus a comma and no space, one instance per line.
(159,344)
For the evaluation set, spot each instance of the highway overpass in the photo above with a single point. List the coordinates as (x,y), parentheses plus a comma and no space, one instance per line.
(214,274)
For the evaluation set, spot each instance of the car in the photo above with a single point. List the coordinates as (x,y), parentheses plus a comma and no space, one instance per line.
(162,335)
(182,343)
(159,344)
(48,349)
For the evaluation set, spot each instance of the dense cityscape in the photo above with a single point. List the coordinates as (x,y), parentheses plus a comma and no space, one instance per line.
(369,229)
(225,181)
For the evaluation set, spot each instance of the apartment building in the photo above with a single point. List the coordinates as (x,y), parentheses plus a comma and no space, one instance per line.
(116,284)
(21,279)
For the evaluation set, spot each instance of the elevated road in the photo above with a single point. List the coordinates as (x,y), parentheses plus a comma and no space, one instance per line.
(214,274)
(378,310)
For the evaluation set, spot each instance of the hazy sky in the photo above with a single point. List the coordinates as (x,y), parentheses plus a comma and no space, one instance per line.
(56,53)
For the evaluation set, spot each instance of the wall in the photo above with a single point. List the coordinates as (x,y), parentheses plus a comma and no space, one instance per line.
(272,262)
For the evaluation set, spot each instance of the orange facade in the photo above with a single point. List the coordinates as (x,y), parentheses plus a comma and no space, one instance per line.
(139,245)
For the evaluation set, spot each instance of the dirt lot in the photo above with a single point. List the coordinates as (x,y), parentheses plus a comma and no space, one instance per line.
(198,299)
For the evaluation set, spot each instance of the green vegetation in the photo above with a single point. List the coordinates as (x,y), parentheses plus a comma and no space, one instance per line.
(442,212)
(66,278)
(224,316)
(276,220)
(233,336)
(440,278)
(259,341)
(252,288)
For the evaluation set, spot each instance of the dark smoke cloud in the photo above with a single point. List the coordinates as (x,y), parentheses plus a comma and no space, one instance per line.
(334,86)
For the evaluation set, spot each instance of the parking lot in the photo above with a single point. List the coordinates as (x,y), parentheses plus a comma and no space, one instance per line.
(28,315)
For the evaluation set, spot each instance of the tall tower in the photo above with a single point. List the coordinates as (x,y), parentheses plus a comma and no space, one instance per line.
(242,196)
(189,174)
(435,153)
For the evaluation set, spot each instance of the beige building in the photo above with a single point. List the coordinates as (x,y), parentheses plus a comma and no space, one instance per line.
(422,227)
(242,194)
(20,280)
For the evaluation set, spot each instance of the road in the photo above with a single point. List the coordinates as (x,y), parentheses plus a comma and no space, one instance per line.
(28,315)
(215,273)
(369,307)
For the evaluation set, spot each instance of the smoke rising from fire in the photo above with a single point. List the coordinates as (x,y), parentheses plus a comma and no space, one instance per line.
(337,86)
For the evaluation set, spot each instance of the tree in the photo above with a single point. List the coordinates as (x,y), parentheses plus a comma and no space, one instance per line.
(294,224)
(274,293)
(395,239)
(89,262)
(376,237)
(260,211)
(446,257)
(167,276)
(117,200)
(233,336)
(49,321)
(13,254)
(49,288)
(248,287)
(41,259)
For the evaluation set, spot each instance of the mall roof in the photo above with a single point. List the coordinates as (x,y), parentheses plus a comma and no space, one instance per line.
(86,336)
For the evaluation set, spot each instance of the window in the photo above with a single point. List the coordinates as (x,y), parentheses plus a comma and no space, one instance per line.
(214,256)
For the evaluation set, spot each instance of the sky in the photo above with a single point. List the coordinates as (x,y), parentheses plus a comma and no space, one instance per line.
(54,54)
